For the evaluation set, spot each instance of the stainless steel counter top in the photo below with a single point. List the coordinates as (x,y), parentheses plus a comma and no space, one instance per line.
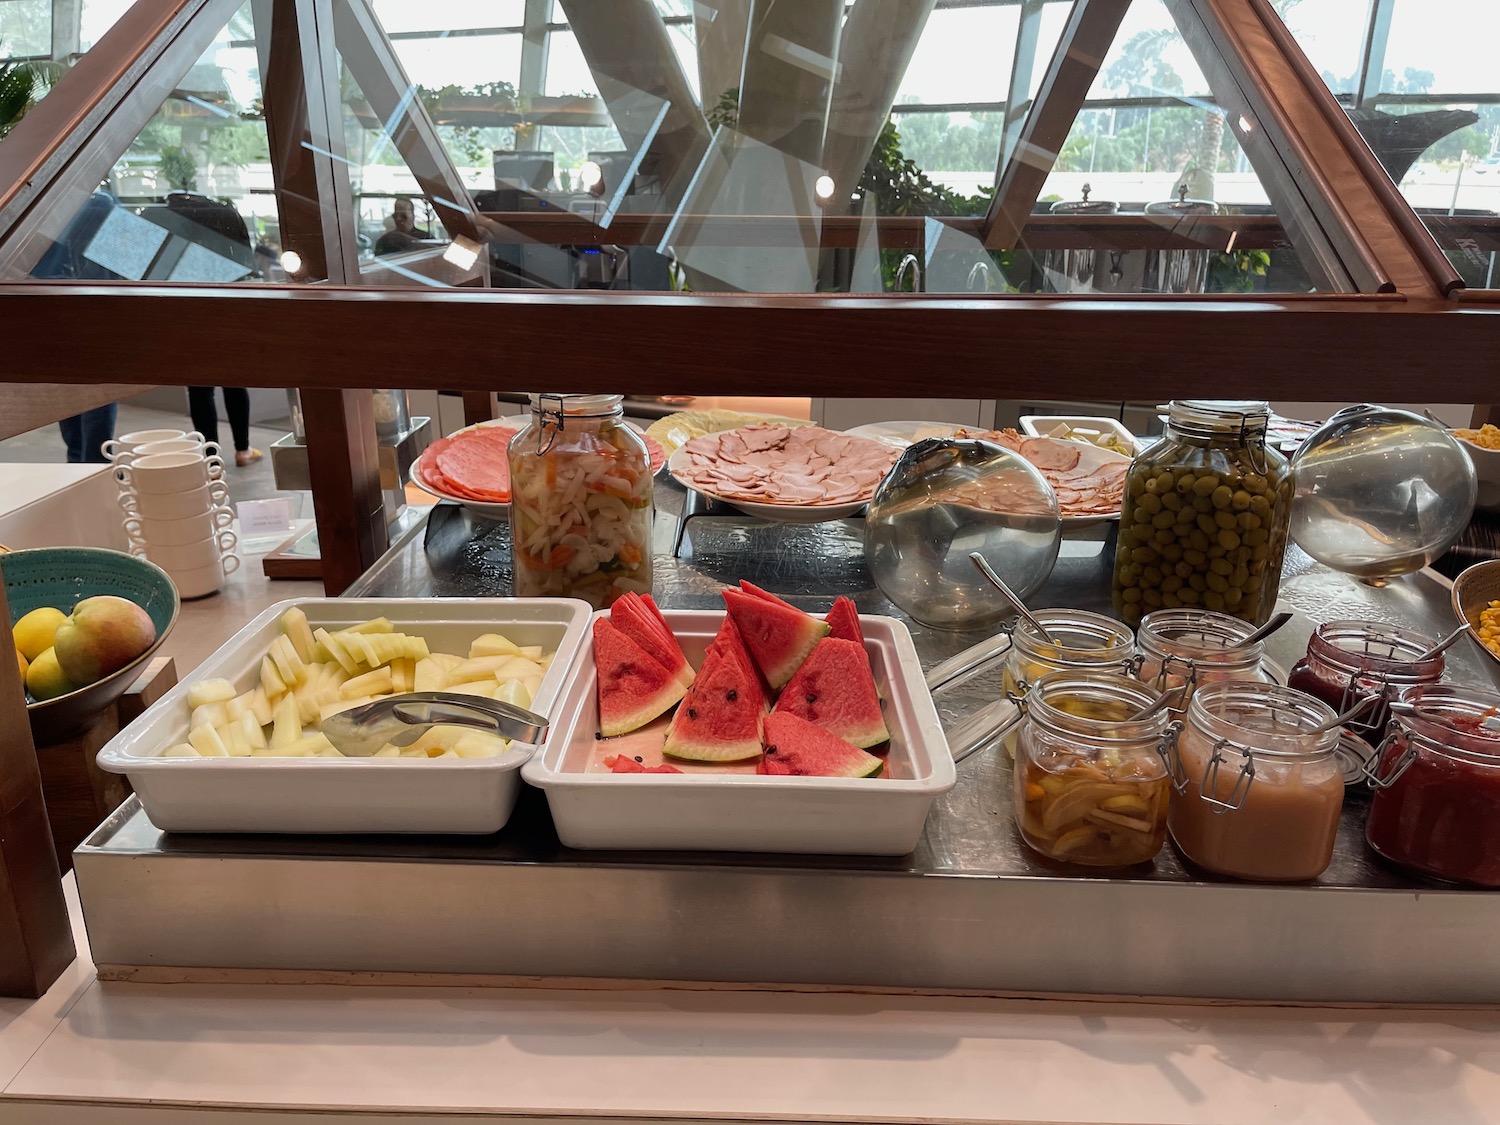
(972,907)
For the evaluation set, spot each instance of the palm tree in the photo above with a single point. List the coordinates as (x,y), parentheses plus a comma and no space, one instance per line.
(19,83)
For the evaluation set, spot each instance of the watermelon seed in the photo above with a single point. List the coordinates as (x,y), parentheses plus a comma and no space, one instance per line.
(692,712)
(733,695)
(811,698)
(598,736)
(638,758)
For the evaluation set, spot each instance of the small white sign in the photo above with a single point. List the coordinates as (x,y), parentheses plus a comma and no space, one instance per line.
(264,515)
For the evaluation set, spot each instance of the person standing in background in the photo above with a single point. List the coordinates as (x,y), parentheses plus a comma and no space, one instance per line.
(206,419)
(85,434)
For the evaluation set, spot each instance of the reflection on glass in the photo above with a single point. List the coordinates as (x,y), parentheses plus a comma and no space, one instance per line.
(191,198)
(1420,80)
(39,41)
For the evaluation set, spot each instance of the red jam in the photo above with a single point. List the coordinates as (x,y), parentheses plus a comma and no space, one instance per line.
(1441,815)
(1351,661)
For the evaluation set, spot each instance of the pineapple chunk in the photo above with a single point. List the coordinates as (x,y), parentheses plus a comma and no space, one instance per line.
(445,660)
(483,668)
(288,724)
(531,652)
(181,750)
(493,644)
(294,625)
(429,676)
(233,737)
(209,715)
(361,648)
(337,651)
(403,675)
(386,751)
(515,693)
(312,744)
(255,737)
(238,706)
(374,625)
(270,679)
(484,688)
(209,691)
(377,682)
(516,668)
(436,740)
(207,742)
(260,707)
(477,744)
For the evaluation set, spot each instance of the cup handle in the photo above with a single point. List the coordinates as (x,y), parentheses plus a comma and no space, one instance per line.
(227,540)
(193,435)
(123,475)
(132,525)
(211,449)
(231,563)
(215,468)
(222,516)
(218,492)
(110,448)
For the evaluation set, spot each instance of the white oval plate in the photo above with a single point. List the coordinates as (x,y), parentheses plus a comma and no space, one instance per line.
(784,513)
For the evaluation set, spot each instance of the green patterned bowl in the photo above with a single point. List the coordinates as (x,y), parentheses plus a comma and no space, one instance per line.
(61,577)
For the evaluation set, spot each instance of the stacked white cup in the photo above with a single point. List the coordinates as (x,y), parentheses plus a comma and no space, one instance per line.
(176,506)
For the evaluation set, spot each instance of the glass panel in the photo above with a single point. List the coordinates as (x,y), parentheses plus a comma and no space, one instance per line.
(1427,101)
(39,41)
(400,17)
(964,56)
(1332,35)
(190,199)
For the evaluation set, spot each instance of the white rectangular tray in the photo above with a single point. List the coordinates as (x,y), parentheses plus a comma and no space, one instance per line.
(728,812)
(1042,425)
(467,795)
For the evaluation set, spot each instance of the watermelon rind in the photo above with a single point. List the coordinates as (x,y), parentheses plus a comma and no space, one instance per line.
(633,686)
(798,748)
(779,637)
(834,689)
(719,720)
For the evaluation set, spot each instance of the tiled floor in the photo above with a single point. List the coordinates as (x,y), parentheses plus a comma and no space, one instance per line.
(205,623)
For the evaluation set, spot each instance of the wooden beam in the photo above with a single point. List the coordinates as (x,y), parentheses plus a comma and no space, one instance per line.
(1032,345)
(25,406)
(36,937)
(479,406)
(1086,37)
(344,466)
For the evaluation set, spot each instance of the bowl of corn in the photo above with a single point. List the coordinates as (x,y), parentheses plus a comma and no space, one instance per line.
(1476,603)
(1483,446)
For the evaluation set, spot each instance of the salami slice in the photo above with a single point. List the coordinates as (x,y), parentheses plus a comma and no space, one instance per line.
(474,464)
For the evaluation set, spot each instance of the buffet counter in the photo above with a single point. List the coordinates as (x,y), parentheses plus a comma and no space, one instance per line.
(987,986)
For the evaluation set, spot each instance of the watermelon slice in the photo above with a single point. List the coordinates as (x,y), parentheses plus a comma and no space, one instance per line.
(843,621)
(764,595)
(835,689)
(778,636)
(729,639)
(797,748)
(719,720)
(630,615)
(634,687)
(623,763)
(650,603)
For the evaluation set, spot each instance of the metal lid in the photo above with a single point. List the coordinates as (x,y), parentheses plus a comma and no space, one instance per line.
(1182,205)
(585,405)
(1219,415)
(1085,206)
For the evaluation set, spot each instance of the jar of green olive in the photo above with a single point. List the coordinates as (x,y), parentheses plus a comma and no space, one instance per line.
(1205,517)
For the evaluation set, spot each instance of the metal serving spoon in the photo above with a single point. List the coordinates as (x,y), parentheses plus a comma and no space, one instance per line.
(1443,645)
(1276,622)
(399,720)
(1010,595)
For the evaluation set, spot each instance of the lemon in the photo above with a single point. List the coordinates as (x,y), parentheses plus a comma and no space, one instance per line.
(45,680)
(33,633)
(21,660)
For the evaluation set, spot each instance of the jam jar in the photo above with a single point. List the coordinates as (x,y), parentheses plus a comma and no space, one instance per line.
(1258,793)
(1350,661)
(1081,641)
(1205,516)
(1436,777)
(1190,647)
(580,514)
(1091,784)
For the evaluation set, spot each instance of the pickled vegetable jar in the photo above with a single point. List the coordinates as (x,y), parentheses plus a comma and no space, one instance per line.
(580,516)
(1091,784)
(1081,641)
(1205,516)
(1189,647)
(1350,661)
(1436,807)
(1259,794)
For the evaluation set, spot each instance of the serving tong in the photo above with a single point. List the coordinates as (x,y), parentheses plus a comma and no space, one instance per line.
(399,720)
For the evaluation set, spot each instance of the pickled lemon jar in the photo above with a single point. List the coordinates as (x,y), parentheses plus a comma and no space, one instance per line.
(581,502)
(1091,784)
(1080,642)
(1206,513)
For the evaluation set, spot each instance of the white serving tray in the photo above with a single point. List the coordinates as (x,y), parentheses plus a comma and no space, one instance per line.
(731,812)
(363,795)
(1042,425)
